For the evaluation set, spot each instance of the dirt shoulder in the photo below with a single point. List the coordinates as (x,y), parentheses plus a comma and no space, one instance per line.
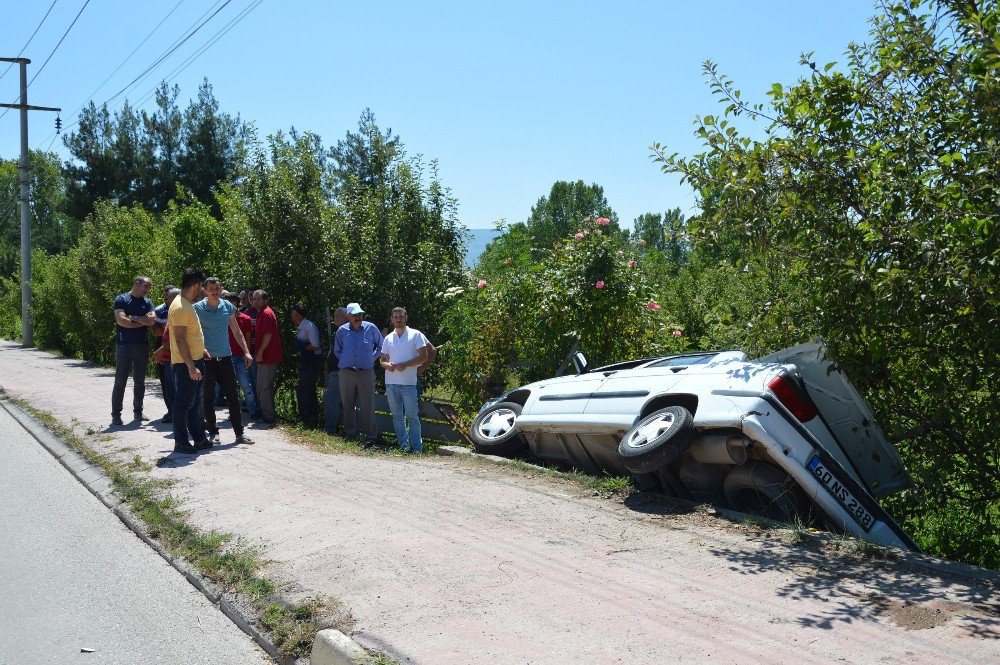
(448,560)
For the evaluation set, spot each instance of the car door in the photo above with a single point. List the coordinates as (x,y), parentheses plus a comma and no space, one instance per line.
(622,393)
(563,396)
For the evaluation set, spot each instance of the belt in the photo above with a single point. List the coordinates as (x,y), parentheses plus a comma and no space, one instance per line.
(357,369)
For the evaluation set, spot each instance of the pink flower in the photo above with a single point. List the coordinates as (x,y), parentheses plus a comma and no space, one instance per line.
(600,284)
(586,219)
(481,284)
(579,236)
(655,307)
(633,263)
(597,231)
(677,333)
(602,221)
(586,231)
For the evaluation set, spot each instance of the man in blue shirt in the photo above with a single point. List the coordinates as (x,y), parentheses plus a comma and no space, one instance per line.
(133,318)
(357,345)
(218,318)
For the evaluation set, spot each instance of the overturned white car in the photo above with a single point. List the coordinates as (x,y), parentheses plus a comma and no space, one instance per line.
(774,436)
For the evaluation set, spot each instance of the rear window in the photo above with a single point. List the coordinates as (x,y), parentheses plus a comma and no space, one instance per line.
(683,361)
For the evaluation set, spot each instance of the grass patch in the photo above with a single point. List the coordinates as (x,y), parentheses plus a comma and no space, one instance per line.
(864,549)
(228,562)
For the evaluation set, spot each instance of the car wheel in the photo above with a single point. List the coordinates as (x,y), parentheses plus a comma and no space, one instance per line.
(494,431)
(764,489)
(657,440)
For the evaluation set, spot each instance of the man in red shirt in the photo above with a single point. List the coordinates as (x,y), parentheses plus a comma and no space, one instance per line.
(267,354)
(244,375)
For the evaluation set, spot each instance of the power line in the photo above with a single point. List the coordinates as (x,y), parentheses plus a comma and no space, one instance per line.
(127,58)
(40,69)
(175,43)
(204,47)
(167,54)
(31,37)
(180,68)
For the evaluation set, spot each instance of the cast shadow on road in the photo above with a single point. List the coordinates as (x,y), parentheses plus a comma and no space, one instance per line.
(856,587)
(174,460)
(130,426)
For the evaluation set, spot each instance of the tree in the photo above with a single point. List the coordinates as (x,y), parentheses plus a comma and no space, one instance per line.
(664,232)
(51,230)
(561,212)
(212,144)
(137,159)
(874,190)
(164,133)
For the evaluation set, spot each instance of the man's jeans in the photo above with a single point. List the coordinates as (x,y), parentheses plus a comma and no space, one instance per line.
(129,359)
(305,392)
(403,403)
(357,389)
(245,377)
(189,418)
(332,408)
(220,372)
(267,374)
(166,374)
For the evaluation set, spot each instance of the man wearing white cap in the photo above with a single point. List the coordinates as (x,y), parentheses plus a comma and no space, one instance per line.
(357,345)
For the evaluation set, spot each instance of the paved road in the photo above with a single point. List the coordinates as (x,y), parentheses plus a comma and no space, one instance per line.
(72,577)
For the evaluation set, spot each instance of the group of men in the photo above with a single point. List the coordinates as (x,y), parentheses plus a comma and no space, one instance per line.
(210,337)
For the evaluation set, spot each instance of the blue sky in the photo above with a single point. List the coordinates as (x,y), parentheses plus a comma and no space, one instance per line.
(508,97)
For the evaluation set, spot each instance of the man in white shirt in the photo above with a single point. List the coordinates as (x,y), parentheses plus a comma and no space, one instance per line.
(403,351)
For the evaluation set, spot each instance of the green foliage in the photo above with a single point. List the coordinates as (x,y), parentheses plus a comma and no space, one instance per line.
(869,209)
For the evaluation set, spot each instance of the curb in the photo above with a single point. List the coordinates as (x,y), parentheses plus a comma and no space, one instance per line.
(98,484)
(919,560)
(332,647)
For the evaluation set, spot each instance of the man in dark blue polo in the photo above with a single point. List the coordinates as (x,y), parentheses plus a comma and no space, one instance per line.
(133,318)
(357,345)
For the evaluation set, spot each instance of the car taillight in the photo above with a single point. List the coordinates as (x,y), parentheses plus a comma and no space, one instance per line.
(788,393)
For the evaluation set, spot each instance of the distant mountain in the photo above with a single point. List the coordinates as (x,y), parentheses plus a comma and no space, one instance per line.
(478,240)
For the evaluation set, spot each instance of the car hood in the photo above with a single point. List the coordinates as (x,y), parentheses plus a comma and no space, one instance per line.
(849,417)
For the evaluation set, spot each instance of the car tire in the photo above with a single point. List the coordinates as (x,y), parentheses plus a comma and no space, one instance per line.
(763,489)
(494,431)
(657,440)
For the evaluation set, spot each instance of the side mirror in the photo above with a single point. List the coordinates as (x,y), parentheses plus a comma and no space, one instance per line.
(580,363)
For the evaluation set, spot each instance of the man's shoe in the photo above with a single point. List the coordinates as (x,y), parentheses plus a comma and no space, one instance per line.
(139,415)
(213,439)
(167,418)
(243,438)
(186,449)
(203,445)
(116,421)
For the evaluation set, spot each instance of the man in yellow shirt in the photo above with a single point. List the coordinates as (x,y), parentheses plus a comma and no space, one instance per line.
(187,357)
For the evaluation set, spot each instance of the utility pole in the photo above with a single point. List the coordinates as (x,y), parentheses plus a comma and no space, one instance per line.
(27,331)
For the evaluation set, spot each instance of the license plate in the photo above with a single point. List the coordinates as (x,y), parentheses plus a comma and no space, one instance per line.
(843,495)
